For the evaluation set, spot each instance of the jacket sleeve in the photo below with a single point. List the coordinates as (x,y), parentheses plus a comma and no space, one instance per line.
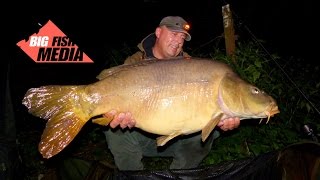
(138,56)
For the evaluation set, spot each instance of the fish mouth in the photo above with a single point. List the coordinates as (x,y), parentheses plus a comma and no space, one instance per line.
(272,110)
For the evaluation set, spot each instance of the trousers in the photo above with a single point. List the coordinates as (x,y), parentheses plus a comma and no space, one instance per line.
(128,147)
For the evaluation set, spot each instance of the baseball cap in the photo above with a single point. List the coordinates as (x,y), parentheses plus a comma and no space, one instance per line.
(176,24)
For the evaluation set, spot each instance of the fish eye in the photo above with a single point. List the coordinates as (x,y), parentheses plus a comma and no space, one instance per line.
(255,90)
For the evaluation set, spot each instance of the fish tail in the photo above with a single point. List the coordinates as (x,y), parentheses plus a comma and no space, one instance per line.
(62,106)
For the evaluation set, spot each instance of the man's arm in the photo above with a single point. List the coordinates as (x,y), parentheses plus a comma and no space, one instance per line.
(138,56)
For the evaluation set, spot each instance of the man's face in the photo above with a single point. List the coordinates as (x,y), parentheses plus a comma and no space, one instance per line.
(171,42)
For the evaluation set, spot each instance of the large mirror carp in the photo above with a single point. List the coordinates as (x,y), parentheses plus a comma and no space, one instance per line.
(166,97)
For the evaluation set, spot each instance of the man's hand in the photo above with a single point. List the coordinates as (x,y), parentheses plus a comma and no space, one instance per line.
(122,119)
(229,123)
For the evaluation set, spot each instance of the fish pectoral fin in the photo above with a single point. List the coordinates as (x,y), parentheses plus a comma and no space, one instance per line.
(162,140)
(210,126)
(104,121)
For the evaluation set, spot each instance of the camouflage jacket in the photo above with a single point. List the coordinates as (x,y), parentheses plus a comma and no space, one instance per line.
(145,50)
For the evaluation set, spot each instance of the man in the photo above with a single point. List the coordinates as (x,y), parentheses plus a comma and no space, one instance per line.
(129,147)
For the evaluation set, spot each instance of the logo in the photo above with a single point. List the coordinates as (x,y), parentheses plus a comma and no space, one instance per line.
(51,45)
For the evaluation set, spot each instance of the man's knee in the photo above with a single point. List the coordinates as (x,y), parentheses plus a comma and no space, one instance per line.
(190,152)
(126,152)
(128,161)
